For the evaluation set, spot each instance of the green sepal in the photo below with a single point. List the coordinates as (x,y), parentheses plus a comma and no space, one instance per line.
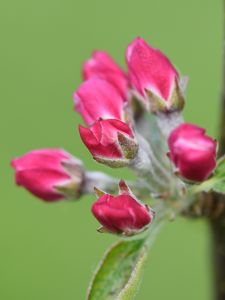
(113,163)
(70,190)
(128,146)
(216,182)
(174,103)
(99,193)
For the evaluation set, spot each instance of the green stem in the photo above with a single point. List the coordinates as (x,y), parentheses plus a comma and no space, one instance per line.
(109,185)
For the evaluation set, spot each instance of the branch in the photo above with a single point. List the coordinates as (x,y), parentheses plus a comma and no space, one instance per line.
(218,225)
(222,116)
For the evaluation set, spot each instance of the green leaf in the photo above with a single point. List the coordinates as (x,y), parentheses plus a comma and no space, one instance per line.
(131,288)
(217,181)
(118,274)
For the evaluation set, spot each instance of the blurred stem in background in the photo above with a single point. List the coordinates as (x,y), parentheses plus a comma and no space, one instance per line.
(218,224)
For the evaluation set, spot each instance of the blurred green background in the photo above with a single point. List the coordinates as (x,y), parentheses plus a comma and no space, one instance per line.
(49,251)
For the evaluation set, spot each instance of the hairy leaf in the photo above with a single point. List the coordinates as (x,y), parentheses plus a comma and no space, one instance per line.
(131,288)
(118,274)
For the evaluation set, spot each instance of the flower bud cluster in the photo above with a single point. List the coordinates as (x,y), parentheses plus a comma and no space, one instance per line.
(114,137)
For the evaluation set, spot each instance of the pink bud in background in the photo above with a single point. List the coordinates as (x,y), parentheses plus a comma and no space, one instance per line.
(49,174)
(152,75)
(192,152)
(122,214)
(101,65)
(110,142)
(97,98)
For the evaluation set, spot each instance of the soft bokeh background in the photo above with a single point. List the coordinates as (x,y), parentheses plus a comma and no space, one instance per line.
(48,252)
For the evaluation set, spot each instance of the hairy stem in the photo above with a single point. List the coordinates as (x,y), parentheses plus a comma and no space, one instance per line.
(146,166)
(168,122)
(109,185)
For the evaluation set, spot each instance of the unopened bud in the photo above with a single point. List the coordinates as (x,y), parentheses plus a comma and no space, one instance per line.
(122,214)
(110,142)
(192,152)
(49,174)
(153,77)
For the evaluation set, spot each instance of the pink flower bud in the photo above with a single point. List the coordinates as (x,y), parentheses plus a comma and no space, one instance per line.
(192,152)
(153,77)
(110,142)
(97,98)
(101,65)
(122,214)
(49,174)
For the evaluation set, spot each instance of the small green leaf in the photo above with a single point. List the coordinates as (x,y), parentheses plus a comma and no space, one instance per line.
(118,274)
(217,181)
